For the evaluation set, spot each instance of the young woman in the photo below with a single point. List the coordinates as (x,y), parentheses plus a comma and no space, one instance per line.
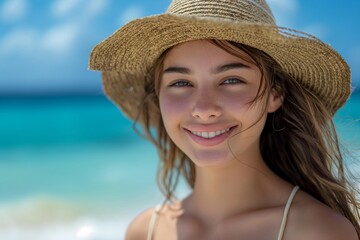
(242,109)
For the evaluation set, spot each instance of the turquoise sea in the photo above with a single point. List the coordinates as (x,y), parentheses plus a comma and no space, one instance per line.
(71,167)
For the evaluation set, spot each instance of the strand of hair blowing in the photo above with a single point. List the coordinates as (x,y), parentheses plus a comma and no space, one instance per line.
(301,143)
(306,150)
(174,162)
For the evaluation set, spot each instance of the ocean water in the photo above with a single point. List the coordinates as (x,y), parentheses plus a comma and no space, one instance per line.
(72,167)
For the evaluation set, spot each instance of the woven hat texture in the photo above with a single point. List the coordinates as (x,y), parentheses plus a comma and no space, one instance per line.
(127,56)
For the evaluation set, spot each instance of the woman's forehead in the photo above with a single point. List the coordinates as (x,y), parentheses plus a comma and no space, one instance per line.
(203,52)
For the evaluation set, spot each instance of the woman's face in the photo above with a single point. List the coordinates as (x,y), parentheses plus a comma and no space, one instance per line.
(206,103)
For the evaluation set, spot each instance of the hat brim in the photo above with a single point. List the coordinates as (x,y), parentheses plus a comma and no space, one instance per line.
(126,57)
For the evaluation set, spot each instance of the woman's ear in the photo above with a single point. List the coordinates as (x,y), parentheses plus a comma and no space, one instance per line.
(275,100)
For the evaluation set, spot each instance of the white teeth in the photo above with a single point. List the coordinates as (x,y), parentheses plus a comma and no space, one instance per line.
(210,134)
(205,134)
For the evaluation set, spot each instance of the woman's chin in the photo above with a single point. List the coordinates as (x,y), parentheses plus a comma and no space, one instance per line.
(212,159)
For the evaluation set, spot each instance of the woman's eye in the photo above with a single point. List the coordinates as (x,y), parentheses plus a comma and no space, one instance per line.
(232,81)
(180,84)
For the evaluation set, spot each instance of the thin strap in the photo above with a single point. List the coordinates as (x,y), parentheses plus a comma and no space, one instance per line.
(286,212)
(153,221)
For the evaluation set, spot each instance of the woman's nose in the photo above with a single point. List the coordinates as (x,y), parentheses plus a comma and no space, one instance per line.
(206,106)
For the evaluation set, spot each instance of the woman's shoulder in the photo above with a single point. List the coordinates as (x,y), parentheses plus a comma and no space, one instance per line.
(311,219)
(138,227)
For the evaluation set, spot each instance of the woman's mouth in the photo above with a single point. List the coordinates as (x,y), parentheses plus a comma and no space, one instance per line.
(210,138)
(210,135)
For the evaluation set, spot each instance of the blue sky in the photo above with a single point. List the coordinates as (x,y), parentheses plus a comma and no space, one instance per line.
(45,45)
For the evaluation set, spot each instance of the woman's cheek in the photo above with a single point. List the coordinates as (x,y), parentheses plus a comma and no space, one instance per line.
(173,105)
(237,99)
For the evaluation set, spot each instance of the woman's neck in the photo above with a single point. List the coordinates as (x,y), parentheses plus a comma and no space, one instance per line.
(220,193)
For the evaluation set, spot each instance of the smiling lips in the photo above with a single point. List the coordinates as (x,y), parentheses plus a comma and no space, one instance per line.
(210,135)
(212,138)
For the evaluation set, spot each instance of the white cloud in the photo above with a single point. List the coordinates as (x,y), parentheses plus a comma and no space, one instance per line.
(61,8)
(18,41)
(63,37)
(318,30)
(95,7)
(13,10)
(285,5)
(56,40)
(284,11)
(78,8)
(131,13)
(60,39)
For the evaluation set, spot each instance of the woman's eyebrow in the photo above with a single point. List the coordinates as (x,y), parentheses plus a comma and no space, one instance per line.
(219,69)
(230,66)
(182,70)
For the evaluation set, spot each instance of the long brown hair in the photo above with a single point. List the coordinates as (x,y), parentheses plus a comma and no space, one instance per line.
(299,141)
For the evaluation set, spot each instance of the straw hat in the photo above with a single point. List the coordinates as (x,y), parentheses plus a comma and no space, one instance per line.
(126,57)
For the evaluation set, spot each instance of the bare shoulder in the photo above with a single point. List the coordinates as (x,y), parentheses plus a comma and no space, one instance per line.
(310,219)
(138,228)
